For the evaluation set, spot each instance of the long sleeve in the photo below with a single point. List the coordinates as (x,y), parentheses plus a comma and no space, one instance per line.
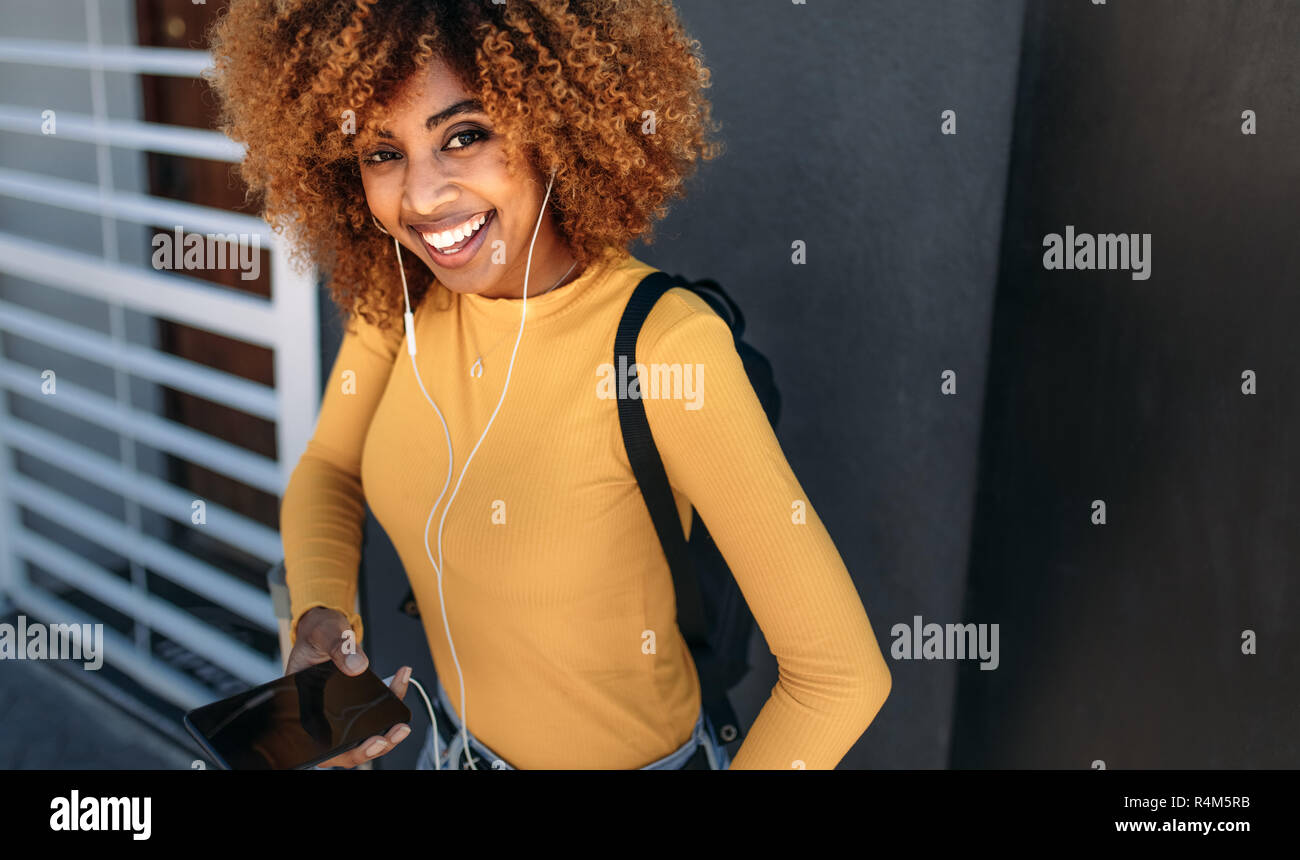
(322,512)
(720,451)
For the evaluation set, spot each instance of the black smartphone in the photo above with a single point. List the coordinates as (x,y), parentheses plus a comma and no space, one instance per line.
(297,721)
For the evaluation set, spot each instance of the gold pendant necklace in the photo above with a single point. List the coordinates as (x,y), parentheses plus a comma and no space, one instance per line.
(476,369)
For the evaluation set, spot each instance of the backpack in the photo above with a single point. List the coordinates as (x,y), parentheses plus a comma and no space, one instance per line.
(711,611)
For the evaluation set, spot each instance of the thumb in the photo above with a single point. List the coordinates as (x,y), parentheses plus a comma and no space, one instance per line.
(347,653)
(337,639)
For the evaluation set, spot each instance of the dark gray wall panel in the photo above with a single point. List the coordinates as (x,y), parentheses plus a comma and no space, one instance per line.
(1122,642)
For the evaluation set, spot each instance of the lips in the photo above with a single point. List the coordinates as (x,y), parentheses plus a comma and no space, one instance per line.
(462,252)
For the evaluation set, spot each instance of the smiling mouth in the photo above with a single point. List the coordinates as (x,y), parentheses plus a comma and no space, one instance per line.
(450,245)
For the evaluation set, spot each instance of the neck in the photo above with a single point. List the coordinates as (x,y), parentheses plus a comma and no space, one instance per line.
(544,276)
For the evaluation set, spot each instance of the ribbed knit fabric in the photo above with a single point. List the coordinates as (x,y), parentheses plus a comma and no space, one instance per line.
(558,597)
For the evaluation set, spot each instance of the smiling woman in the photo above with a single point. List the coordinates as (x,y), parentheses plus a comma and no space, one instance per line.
(527,86)
(441,183)
(512,151)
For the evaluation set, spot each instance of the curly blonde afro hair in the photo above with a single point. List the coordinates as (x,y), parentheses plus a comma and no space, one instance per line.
(567,82)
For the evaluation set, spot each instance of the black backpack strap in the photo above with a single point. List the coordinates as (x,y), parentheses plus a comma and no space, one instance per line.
(648,468)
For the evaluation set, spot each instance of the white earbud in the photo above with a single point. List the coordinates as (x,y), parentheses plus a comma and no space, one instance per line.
(409,318)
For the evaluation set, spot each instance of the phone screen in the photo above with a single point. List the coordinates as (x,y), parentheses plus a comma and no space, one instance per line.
(299,720)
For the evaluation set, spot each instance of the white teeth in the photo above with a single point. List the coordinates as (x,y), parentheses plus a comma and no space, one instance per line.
(457,234)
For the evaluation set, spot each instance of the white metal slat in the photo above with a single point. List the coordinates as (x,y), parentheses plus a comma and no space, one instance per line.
(128,205)
(145,363)
(138,59)
(297,362)
(162,294)
(185,442)
(179,567)
(154,674)
(287,324)
(176,624)
(131,134)
(108,230)
(158,495)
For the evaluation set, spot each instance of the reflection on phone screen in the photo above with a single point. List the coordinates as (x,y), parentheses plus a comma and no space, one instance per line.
(298,720)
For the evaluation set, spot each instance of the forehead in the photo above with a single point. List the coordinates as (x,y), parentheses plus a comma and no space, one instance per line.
(429,89)
(431,97)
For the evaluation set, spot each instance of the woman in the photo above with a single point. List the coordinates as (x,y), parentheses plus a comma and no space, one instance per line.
(489,164)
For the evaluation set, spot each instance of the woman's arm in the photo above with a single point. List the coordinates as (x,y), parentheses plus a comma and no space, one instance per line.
(720,450)
(322,512)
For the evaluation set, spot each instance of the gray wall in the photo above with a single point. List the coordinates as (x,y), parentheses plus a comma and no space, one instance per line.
(1122,642)
(831,115)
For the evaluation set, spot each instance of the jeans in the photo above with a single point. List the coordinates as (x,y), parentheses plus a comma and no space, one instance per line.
(702,750)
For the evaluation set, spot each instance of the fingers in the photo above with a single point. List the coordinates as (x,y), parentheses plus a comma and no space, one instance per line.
(334,637)
(347,653)
(323,633)
(376,746)
(303,656)
(400,682)
(396,735)
(345,760)
(371,749)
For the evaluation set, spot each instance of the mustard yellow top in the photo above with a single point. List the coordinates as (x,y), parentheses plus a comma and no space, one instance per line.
(559,598)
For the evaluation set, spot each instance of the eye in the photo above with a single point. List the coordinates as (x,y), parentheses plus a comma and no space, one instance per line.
(465,138)
(476,134)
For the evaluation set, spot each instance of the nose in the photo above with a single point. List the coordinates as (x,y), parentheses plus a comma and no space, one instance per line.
(427,188)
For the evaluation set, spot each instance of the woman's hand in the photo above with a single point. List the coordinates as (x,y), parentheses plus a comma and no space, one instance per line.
(320,640)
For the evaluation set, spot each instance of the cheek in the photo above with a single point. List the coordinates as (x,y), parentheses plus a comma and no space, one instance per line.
(524,207)
(382,195)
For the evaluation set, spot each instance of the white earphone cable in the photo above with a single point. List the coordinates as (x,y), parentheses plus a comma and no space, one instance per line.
(409,319)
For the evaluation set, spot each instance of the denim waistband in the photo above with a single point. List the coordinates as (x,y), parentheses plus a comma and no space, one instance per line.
(485,757)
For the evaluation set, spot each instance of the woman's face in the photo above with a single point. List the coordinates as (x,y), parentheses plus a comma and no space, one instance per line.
(437,167)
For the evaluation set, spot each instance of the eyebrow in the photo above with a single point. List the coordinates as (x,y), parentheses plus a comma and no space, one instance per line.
(461,107)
